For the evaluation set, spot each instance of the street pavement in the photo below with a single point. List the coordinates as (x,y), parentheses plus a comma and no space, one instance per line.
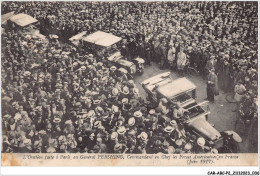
(222,115)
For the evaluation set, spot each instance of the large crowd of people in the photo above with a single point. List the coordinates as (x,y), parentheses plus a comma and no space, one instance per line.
(74,102)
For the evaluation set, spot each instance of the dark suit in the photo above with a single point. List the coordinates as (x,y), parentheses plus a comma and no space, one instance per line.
(212,86)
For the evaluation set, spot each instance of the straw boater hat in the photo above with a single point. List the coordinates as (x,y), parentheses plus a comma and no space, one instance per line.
(201,141)
(125,90)
(56,120)
(82,98)
(51,150)
(27,142)
(115,108)
(27,73)
(144,136)
(83,67)
(132,132)
(171,150)
(113,68)
(41,80)
(115,91)
(68,122)
(173,123)
(131,121)
(166,144)
(169,129)
(214,151)
(121,130)
(97,101)
(188,146)
(152,111)
(91,113)
(7,116)
(124,100)
(138,114)
(118,147)
(105,117)
(62,138)
(75,64)
(97,124)
(114,136)
(42,132)
(178,142)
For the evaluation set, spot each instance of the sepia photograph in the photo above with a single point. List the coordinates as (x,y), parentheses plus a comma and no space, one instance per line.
(128,80)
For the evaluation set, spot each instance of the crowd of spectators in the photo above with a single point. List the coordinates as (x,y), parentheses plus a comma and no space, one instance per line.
(72,102)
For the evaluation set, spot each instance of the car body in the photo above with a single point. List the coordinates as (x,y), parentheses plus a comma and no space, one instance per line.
(184,91)
(106,45)
(23,20)
(119,61)
(26,25)
(75,40)
(6,17)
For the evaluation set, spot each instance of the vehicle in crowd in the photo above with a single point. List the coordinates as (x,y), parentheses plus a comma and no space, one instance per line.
(118,60)
(76,39)
(184,91)
(106,45)
(6,17)
(123,74)
(26,25)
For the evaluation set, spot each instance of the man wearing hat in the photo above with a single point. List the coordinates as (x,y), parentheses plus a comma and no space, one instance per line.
(163,54)
(225,78)
(178,111)
(27,146)
(181,59)
(119,148)
(212,85)
(162,106)
(200,146)
(171,55)
(211,64)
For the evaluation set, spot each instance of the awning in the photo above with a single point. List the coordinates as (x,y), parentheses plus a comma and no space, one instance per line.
(6,17)
(102,39)
(158,80)
(23,19)
(176,87)
(78,36)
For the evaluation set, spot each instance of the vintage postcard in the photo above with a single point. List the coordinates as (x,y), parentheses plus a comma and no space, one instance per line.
(129,83)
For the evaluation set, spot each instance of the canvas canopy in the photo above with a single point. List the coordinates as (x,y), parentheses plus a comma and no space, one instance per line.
(102,39)
(23,19)
(6,17)
(78,36)
(176,87)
